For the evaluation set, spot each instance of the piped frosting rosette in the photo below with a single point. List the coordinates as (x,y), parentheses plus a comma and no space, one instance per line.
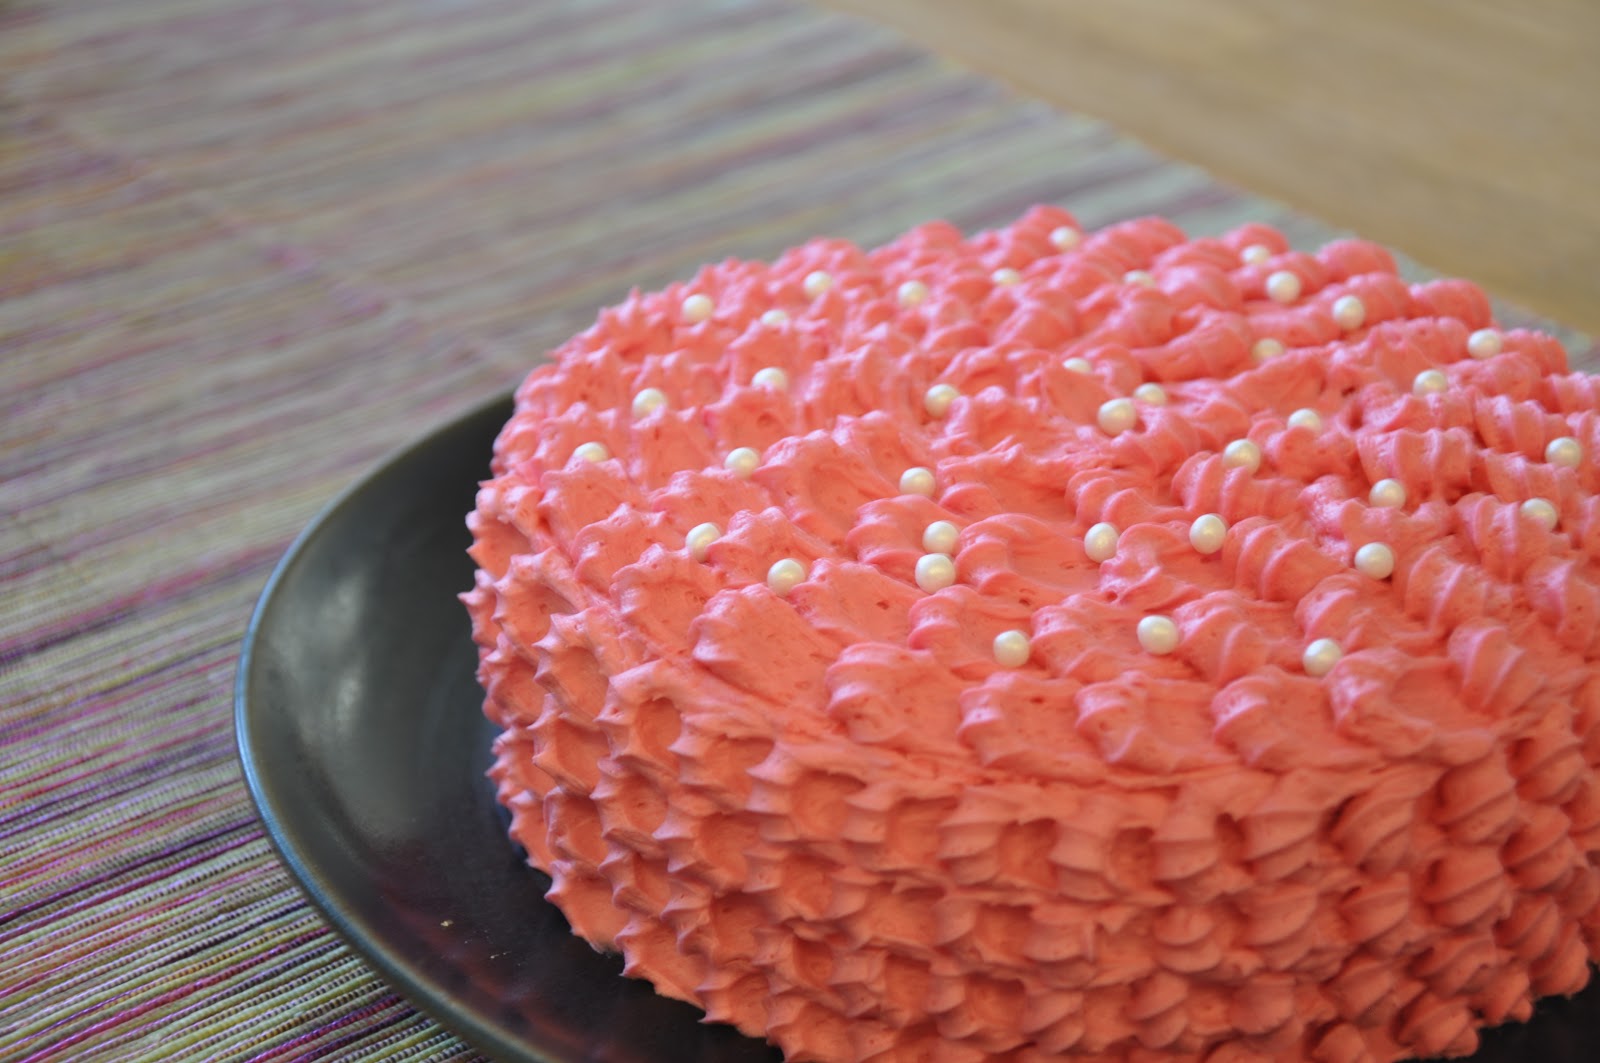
(1110,646)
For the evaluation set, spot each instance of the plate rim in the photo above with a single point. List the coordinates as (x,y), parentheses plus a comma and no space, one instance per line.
(419,991)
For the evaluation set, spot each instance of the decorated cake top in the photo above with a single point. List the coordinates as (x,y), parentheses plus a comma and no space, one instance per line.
(1078,506)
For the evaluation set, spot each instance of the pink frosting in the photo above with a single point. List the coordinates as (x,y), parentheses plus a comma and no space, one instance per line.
(834,820)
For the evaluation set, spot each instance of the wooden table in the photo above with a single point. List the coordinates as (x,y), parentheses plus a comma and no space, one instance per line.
(1464,132)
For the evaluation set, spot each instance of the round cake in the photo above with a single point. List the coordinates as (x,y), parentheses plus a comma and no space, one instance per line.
(1048,644)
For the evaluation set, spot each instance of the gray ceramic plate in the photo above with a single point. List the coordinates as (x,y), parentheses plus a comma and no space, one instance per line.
(364,748)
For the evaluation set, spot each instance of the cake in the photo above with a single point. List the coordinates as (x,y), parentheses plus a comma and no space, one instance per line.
(1058,645)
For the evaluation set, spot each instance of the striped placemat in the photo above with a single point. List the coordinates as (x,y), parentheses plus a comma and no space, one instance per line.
(247,246)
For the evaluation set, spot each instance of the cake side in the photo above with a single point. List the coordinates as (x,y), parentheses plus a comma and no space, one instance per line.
(1293,761)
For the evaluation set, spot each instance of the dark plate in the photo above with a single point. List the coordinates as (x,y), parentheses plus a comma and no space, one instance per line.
(365,748)
(364,744)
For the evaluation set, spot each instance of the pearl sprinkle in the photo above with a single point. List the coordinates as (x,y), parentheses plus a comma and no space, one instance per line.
(1065,238)
(917,481)
(1077,365)
(938,399)
(1207,533)
(742,461)
(912,293)
(774,318)
(1306,418)
(1283,286)
(1429,382)
(784,576)
(1005,276)
(1158,635)
(1484,343)
(1564,451)
(1151,394)
(1242,454)
(648,401)
(591,452)
(1349,312)
(1100,542)
(1375,561)
(1012,649)
(1140,277)
(935,572)
(940,537)
(698,308)
(772,378)
(817,282)
(1543,511)
(1320,657)
(1117,416)
(1256,255)
(1387,494)
(700,538)
(1266,347)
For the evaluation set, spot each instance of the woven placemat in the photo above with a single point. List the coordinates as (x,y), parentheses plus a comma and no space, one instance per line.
(248,246)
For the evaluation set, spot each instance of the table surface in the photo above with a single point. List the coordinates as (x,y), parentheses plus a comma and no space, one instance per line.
(1465,132)
(249,246)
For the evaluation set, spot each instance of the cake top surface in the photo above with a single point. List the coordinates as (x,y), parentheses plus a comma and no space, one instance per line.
(1086,512)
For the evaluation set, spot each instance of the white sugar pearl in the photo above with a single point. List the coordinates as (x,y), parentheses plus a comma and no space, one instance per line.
(1256,254)
(1012,649)
(1117,416)
(1388,494)
(940,537)
(1305,418)
(742,461)
(817,282)
(935,572)
(1484,343)
(1283,286)
(1158,635)
(1207,533)
(917,481)
(700,538)
(1140,277)
(938,399)
(697,308)
(1350,312)
(1320,657)
(1151,394)
(1100,542)
(1429,382)
(772,378)
(591,452)
(774,318)
(1005,276)
(1065,238)
(1266,347)
(1564,451)
(1541,510)
(784,576)
(1077,365)
(912,293)
(1375,561)
(648,401)
(1242,454)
